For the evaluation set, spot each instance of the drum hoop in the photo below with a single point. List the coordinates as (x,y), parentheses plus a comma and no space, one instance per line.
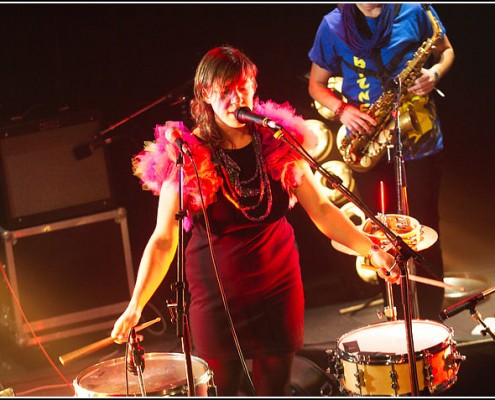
(388,359)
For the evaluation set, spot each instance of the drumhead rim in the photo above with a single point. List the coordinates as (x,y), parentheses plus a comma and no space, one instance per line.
(384,359)
(180,389)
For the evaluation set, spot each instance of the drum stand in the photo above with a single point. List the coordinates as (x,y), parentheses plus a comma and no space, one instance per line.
(404,252)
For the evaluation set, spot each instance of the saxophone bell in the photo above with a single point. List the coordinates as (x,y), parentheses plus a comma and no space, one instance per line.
(408,121)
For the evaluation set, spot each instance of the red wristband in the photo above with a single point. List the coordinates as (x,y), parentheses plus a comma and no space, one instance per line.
(338,113)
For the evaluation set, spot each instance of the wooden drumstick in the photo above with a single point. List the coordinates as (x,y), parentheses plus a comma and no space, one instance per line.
(422,279)
(68,357)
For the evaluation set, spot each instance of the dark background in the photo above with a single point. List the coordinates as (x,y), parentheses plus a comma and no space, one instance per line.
(118,58)
(60,59)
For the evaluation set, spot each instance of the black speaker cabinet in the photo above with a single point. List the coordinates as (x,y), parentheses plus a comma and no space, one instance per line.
(70,277)
(42,180)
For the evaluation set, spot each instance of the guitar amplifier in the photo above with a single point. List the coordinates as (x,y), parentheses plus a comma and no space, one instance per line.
(42,178)
(68,278)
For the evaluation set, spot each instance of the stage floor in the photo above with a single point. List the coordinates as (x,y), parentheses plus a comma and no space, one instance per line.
(467,242)
(28,373)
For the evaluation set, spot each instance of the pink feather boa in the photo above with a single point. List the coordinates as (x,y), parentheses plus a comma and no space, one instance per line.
(156,163)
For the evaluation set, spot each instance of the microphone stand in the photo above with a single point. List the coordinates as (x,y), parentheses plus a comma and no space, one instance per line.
(401,187)
(470,304)
(137,361)
(182,324)
(476,315)
(404,252)
(103,137)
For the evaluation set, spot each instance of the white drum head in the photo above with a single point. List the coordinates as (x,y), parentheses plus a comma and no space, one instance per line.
(164,374)
(389,338)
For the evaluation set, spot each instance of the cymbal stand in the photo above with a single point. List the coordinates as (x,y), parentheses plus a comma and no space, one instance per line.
(404,252)
(182,325)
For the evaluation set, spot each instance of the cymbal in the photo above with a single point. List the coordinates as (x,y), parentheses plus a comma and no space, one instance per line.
(428,237)
(473,283)
(325,139)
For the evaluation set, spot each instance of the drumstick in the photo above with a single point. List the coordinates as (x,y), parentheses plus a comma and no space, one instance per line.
(421,279)
(66,358)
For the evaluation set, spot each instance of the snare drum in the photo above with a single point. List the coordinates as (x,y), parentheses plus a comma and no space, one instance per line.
(164,374)
(373,360)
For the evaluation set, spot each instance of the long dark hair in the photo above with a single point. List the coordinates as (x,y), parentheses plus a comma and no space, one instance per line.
(218,67)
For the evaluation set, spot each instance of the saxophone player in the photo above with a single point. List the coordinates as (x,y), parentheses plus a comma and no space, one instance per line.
(368,45)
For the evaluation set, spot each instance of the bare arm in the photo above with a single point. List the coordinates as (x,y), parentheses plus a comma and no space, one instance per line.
(335,225)
(155,262)
(444,56)
(353,118)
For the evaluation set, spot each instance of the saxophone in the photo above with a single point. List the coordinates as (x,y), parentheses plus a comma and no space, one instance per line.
(363,151)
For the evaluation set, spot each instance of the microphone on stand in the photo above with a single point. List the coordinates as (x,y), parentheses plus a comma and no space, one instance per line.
(465,304)
(174,136)
(244,114)
(85,150)
(135,354)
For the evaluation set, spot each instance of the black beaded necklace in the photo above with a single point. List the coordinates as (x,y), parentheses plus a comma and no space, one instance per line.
(238,191)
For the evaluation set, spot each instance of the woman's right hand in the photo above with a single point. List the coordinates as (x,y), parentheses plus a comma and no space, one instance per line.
(129,319)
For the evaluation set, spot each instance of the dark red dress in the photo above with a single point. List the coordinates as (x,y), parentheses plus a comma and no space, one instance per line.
(258,264)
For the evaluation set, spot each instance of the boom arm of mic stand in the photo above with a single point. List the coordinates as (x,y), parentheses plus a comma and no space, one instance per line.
(180,99)
(337,183)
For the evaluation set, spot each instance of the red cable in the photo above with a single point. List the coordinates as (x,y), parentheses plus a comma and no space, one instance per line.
(31,329)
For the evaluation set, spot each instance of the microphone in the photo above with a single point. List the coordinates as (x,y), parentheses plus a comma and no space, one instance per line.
(465,304)
(174,136)
(244,114)
(85,150)
(135,354)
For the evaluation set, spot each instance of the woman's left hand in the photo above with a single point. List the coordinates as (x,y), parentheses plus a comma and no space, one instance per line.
(384,262)
(424,84)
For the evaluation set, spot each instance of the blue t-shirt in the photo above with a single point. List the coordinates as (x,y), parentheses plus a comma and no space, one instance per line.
(411,28)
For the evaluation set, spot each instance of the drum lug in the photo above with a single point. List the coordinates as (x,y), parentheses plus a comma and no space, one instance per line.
(394,379)
(336,368)
(452,361)
(211,388)
(427,370)
(359,375)
(332,360)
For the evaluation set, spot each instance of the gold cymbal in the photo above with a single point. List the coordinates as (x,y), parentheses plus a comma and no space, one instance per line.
(340,169)
(325,139)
